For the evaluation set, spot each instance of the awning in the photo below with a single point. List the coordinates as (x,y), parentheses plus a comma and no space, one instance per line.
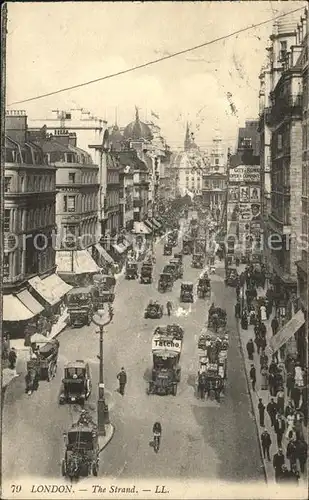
(140,228)
(149,224)
(44,290)
(14,309)
(75,262)
(286,332)
(157,223)
(104,253)
(60,287)
(33,305)
(120,248)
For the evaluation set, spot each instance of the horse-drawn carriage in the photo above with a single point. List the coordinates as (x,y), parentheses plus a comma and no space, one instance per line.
(203,287)
(186,292)
(212,370)
(216,318)
(81,457)
(42,365)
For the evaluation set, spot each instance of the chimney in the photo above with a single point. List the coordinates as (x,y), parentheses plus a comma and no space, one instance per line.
(62,135)
(16,125)
(72,139)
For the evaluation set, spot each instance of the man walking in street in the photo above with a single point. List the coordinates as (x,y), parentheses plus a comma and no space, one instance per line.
(12,358)
(291,452)
(278,462)
(272,411)
(122,377)
(274,325)
(302,453)
(250,349)
(169,307)
(279,428)
(253,376)
(266,443)
(261,408)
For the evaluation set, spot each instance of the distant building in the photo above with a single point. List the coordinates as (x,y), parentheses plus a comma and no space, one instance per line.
(30,283)
(215,177)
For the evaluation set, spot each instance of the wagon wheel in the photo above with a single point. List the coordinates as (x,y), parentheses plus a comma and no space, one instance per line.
(95,469)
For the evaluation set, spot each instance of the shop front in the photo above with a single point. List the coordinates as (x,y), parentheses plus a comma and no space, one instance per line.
(16,316)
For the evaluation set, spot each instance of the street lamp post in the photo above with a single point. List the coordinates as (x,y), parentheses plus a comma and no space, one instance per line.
(100,320)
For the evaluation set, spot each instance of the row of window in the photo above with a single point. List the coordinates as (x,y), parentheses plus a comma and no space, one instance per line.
(280,210)
(36,261)
(24,220)
(57,156)
(89,202)
(29,184)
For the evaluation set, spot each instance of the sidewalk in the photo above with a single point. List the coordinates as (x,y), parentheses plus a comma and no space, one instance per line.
(104,440)
(23,352)
(245,336)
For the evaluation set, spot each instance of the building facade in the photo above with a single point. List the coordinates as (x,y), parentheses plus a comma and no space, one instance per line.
(215,177)
(76,203)
(113,194)
(31,287)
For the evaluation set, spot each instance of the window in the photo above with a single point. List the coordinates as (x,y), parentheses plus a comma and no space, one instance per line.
(6,265)
(70,158)
(7,184)
(71,204)
(283,50)
(217,161)
(7,220)
(71,178)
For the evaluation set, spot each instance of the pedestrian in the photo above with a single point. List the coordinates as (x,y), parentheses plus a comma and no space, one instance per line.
(272,411)
(261,408)
(263,313)
(271,384)
(278,462)
(289,383)
(244,321)
(238,291)
(253,376)
(301,453)
(294,474)
(291,452)
(295,395)
(266,443)
(280,400)
(250,349)
(12,358)
(263,359)
(285,475)
(264,378)
(272,367)
(279,426)
(122,377)
(263,330)
(258,342)
(274,325)
(298,424)
(237,310)
(5,348)
(169,307)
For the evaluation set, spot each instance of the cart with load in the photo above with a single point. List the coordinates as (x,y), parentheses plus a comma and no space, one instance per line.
(186,292)
(154,310)
(212,370)
(76,384)
(105,286)
(203,288)
(146,273)
(43,364)
(81,302)
(165,283)
(167,249)
(131,271)
(81,457)
(166,371)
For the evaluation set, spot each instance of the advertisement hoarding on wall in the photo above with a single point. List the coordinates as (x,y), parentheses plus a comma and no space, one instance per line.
(245,173)
(232,211)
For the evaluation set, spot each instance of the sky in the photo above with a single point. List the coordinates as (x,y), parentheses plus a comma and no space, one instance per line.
(55,45)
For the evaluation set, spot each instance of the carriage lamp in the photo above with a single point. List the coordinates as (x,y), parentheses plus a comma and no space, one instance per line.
(102,318)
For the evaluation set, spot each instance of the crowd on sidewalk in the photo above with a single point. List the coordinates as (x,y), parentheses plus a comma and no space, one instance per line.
(278,380)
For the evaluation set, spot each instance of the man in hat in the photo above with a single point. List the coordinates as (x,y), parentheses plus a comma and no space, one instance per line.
(122,377)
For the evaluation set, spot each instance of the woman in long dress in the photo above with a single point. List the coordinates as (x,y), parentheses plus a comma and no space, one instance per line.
(263,313)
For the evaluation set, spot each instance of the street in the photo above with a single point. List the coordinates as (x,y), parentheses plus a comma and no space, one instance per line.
(200,439)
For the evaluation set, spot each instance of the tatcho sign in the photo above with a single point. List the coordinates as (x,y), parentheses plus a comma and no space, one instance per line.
(166,344)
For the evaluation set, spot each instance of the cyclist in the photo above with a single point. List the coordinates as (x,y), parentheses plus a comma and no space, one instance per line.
(157,431)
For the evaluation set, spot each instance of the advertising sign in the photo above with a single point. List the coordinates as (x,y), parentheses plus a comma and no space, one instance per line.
(233,193)
(244,228)
(244,212)
(244,194)
(166,344)
(255,194)
(245,173)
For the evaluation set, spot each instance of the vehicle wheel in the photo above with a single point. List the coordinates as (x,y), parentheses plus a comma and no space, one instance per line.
(63,468)
(89,320)
(175,390)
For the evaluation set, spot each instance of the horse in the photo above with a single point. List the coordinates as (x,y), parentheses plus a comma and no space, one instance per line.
(74,466)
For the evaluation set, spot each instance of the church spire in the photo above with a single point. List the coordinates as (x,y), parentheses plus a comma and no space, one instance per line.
(187,142)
